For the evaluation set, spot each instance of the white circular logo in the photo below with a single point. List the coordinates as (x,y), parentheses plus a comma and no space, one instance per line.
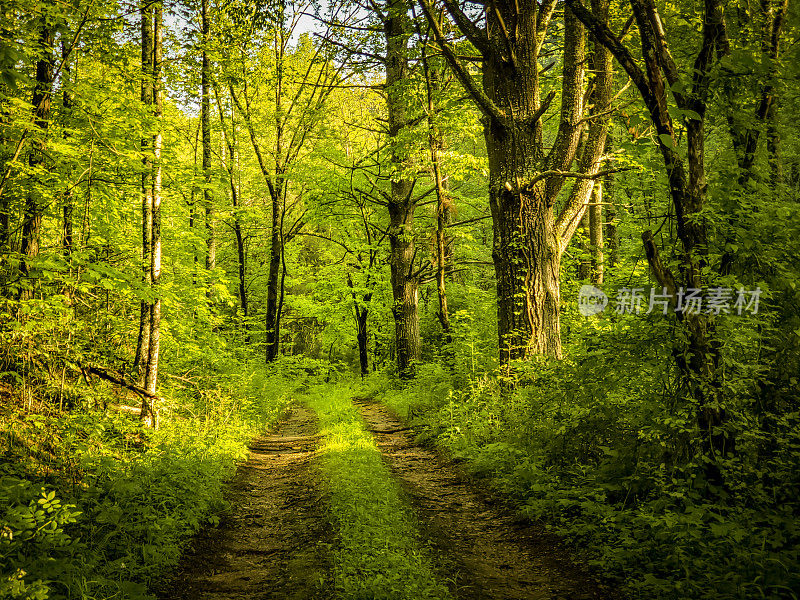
(591,300)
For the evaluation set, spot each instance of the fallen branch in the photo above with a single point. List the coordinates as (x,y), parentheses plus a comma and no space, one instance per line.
(119,380)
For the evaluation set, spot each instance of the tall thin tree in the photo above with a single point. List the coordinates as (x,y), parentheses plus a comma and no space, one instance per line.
(35,202)
(149,412)
(205,119)
(143,341)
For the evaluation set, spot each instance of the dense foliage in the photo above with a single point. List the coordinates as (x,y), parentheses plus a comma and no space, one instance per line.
(416,193)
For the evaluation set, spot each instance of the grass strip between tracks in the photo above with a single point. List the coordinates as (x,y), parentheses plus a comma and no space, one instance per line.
(379,553)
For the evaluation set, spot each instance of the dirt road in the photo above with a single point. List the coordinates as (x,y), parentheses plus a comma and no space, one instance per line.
(272,541)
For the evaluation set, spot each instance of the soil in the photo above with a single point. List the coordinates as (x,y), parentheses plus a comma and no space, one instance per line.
(273,541)
(484,551)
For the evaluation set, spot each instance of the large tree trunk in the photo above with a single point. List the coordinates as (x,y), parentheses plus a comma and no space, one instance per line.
(526,250)
(149,413)
(404,282)
(401,204)
(34,203)
(143,341)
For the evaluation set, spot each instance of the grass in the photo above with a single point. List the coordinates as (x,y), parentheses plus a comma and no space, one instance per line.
(93,506)
(380,554)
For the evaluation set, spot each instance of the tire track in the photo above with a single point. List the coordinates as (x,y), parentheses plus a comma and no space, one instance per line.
(485,551)
(273,541)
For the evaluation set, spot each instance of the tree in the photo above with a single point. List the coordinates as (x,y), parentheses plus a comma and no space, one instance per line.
(229,140)
(529,237)
(687,184)
(149,339)
(433,75)
(143,341)
(35,201)
(149,412)
(295,109)
(401,202)
(205,126)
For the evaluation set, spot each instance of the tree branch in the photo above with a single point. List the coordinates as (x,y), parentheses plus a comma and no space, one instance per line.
(606,37)
(117,379)
(481,99)
(478,37)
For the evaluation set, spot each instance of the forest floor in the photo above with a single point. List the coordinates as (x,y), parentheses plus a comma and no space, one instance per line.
(273,541)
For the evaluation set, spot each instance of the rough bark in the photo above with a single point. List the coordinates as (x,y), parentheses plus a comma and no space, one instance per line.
(401,204)
(525,250)
(524,180)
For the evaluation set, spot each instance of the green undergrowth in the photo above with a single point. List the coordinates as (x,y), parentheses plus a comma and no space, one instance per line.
(379,554)
(93,506)
(609,463)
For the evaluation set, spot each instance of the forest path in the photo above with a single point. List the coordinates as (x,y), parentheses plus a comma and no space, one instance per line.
(485,551)
(271,543)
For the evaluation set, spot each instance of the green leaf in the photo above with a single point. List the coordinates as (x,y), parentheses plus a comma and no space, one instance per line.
(667,141)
